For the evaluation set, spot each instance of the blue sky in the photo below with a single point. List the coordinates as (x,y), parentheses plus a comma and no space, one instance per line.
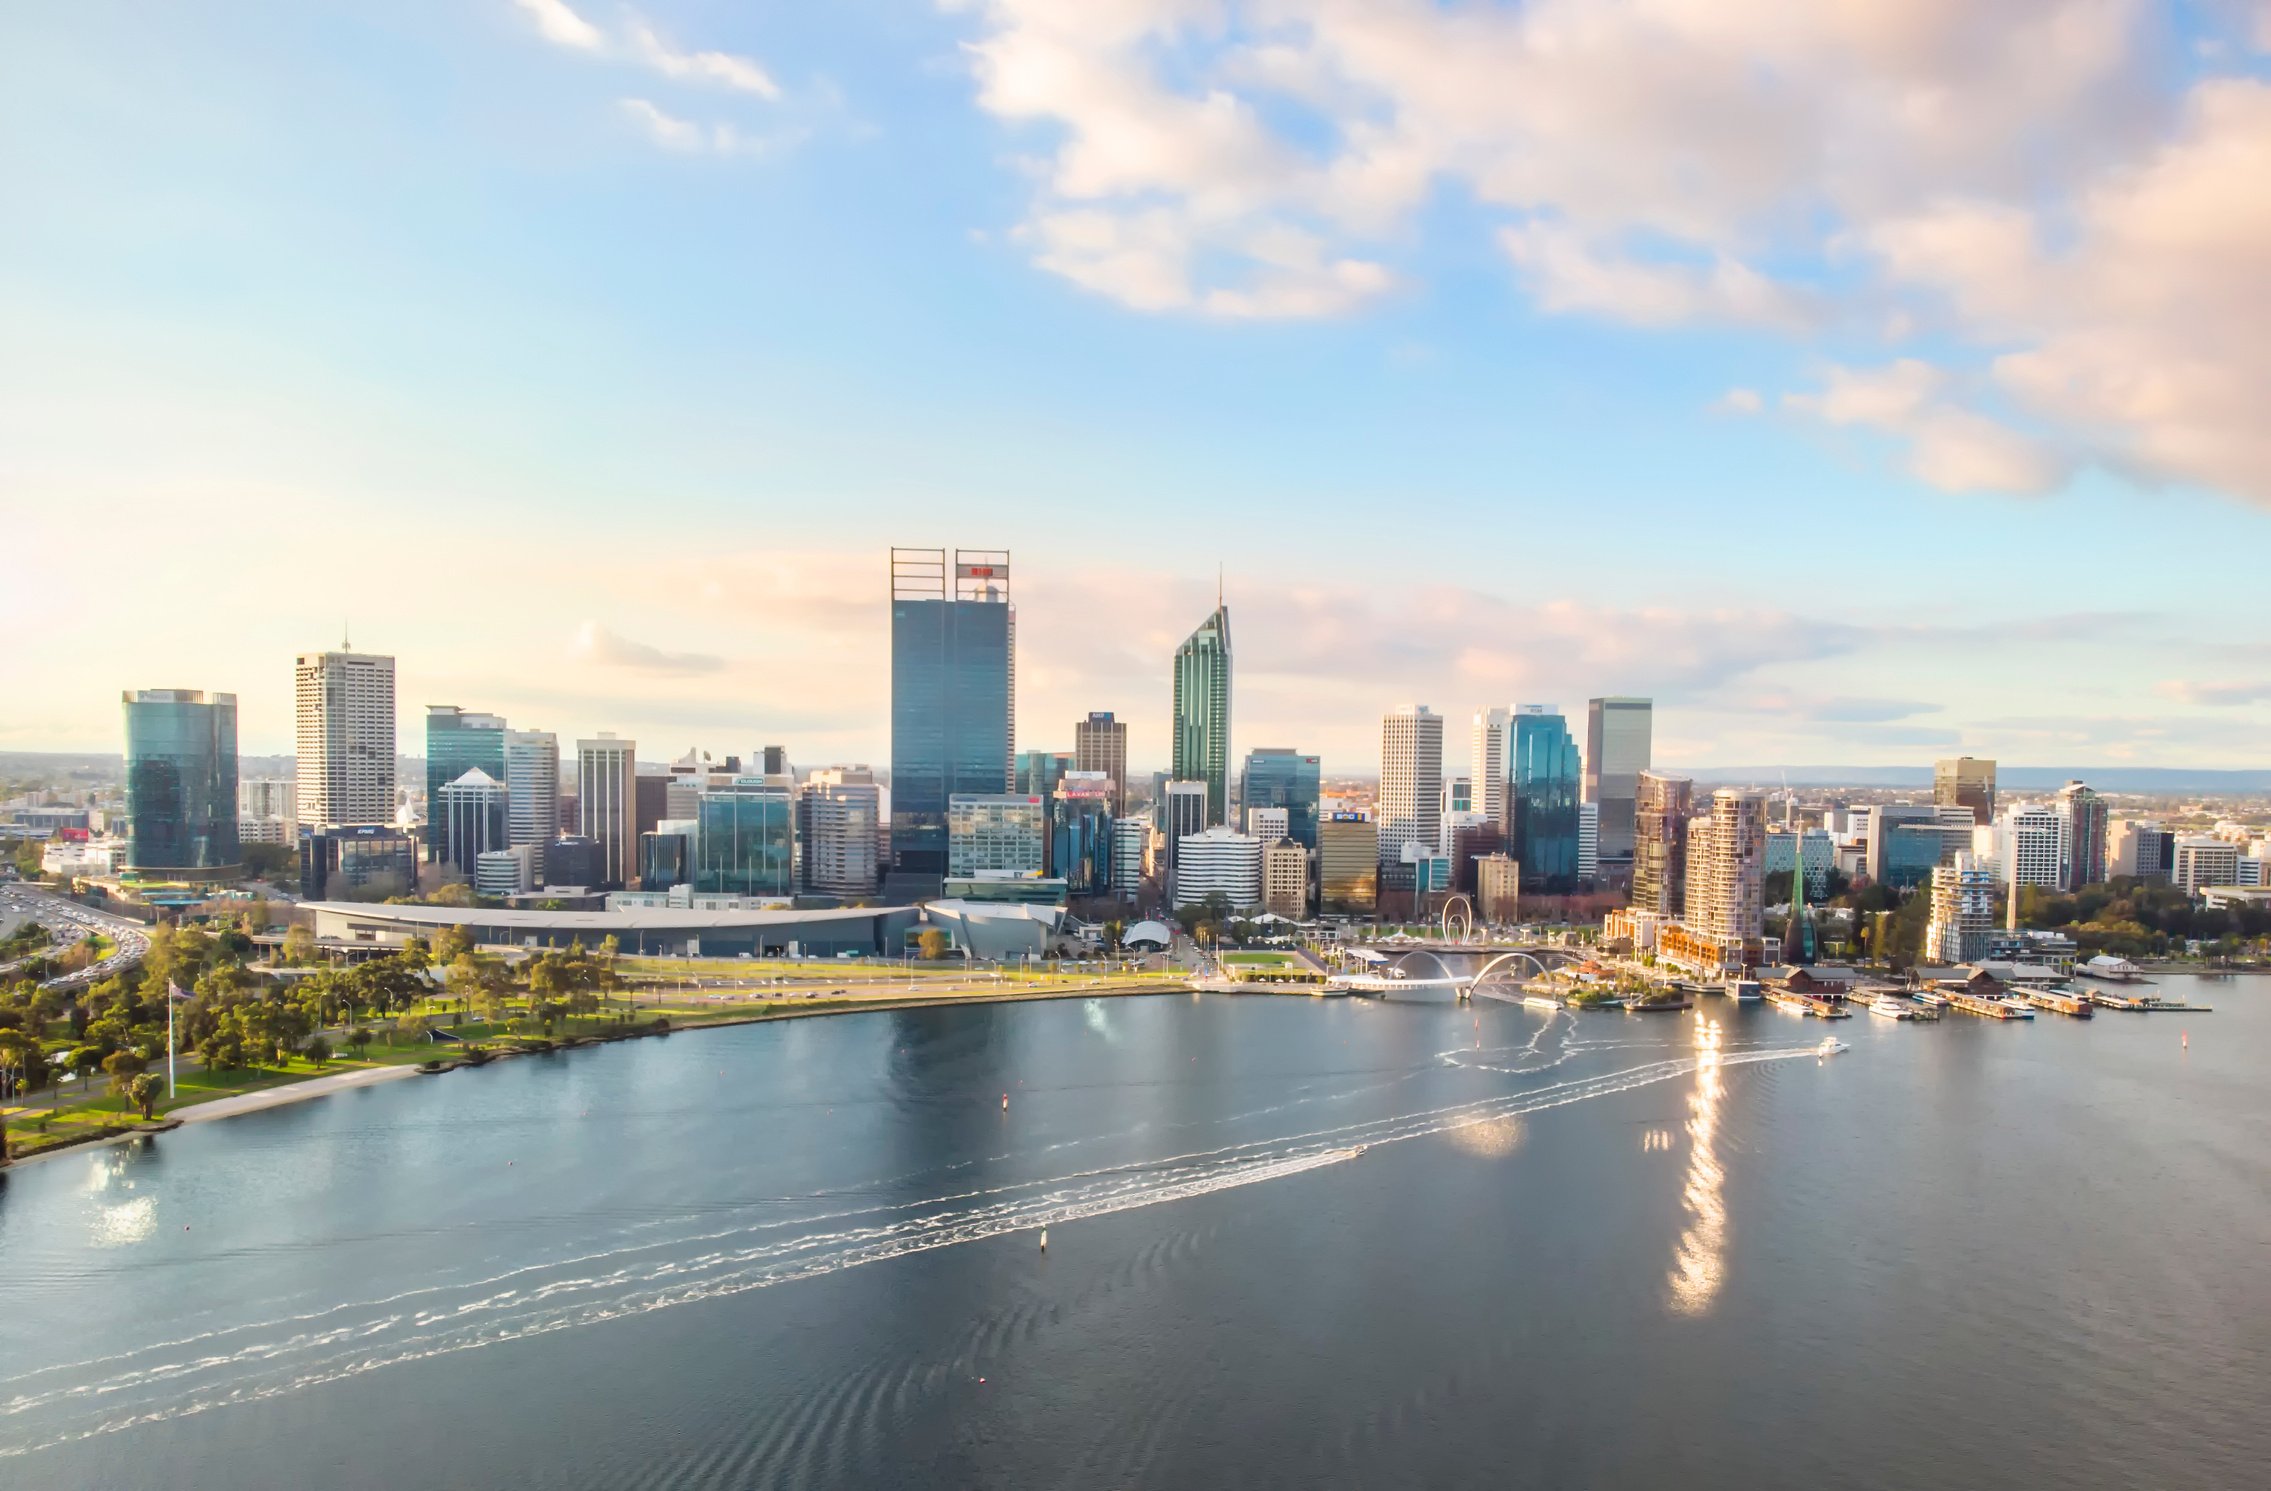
(587,358)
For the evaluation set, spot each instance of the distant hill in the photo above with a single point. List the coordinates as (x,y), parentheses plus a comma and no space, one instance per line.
(2144,780)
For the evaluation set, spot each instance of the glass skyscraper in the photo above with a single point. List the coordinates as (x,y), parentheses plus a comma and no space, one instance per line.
(1276,777)
(1618,742)
(1543,777)
(745,840)
(456,743)
(1202,711)
(181,782)
(953,694)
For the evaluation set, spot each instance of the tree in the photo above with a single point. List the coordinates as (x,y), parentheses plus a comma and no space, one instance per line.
(124,1067)
(84,1061)
(317,1051)
(145,1089)
(932,944)
(359,1040)
(299,945)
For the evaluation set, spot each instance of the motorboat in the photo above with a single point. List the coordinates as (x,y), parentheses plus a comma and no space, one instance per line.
(1831,1046)
(1892,1007)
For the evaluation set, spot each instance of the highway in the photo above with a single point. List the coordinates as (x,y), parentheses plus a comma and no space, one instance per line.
(72,922)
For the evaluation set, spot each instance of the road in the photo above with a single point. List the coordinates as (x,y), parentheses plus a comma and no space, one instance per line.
(73,922)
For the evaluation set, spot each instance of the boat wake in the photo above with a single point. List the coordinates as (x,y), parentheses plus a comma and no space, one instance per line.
(45,1407)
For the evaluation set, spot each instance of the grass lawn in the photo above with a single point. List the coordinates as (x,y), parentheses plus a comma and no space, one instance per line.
(1258,960)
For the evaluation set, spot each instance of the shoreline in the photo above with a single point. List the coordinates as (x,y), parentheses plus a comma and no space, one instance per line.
(312,1088)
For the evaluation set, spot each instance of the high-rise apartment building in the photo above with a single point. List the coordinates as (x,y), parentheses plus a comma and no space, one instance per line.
(839,818)
(1202,711)
(532,786)
(181,783)
(953,696)
(2083,813)
(1487,762)
(2030,845)
(1662,807)
(1409,809)
(607,804)
(1726,870)
(1544,782)
(996,834)
(1285,879)
(1588,841)
(458,741)
(1100,743)
(1348,863)
(1277,777)
(1965,782)
(344,707)
(1963,910)
(1619,741)
(469,817)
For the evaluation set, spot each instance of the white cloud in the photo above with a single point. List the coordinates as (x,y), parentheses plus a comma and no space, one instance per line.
(1950,446)
(561,26)
(2213,693)
(596,644)
(694,138)
(1739,401)
(1564,272)
(724,68)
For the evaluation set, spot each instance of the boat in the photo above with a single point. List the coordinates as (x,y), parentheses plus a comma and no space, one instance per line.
(1932,997)
(2019,1008)
(1831,1046)
(1745,990)
(1893,1008)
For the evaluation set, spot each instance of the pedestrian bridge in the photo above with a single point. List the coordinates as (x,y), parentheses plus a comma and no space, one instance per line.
(1426,968)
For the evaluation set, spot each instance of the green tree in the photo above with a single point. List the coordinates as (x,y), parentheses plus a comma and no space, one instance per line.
(931,944)
(124,1067)
(359,1040)
(299,946)
(84,1062)
(317,1051)
(144,1089)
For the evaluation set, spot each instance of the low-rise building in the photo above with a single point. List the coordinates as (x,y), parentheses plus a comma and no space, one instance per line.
(1285,879)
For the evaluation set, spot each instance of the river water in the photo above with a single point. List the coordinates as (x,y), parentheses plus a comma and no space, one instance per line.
(1291,1242)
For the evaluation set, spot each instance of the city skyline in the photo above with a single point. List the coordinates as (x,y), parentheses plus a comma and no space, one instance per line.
(479,334)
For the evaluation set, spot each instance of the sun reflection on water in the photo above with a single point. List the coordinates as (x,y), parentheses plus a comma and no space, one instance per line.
(1698,1259)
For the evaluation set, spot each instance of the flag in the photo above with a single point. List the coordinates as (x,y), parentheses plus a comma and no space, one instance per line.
(174,991)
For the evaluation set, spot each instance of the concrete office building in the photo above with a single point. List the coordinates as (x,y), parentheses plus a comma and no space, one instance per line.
(953,699)
(1285,879)
(1487,762)
(1588,841)
(1267,824)
(532,783)
(2140,849)
(1183,806)
(607,805)
(1619,746)
(1348,863)
(498,873)
(1965,782)
(1100,744)
(344,734)
(1498,889)
(1409,809)
(1202,711)
(996,833)
(1219,862)
(1662,806)
(2030,845)
(181,784)
(2203,860)
(839,830)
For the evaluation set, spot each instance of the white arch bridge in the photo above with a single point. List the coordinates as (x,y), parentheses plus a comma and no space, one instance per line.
(1498,976)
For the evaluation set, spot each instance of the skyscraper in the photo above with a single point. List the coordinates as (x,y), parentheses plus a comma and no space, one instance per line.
(607,804)
(1080,833)
(345,737)
(1486,763)
(953,696)
(1410,805)
(457,742)
(1038,772)
(745,840)
(1965,781)
(1202,711)
(469,817)
(1618,741)
(1348,863)
(1100,743)
(1542,792)
(1662,807)
(1276,777)
(532,785)
(181,783)
(1726,871)
(1182,810)
(2081,814)
(839,821)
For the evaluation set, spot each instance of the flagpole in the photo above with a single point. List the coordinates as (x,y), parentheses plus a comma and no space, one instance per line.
(171,1090)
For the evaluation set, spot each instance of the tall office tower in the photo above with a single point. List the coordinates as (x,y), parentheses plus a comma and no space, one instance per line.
(1130,836)
(1458,795)
(607,804)
(745,840)
(1080,832)
(650,796)
(773,761)
(2030,845)
(1410,805)
(457,742)
(839,818)
(953,697)
(1100,743)
(1276,777)
(1662,807)
(1486,762)
(181,783)
(1968,782)
(2139,849)
(1619,737)
(1588,841)
(469,817)
(1963,911)
(1182,812)
(2081,812)
(1726,870)
(1543,781)
(532,783)
(345,738)
(1038,773)
(996,834)
(1348,863)
(1202,711)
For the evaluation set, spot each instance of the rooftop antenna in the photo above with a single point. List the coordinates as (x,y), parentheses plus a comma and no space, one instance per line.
(346,642)
(1218,585)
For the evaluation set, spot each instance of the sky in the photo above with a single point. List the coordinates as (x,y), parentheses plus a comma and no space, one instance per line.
(1862,381)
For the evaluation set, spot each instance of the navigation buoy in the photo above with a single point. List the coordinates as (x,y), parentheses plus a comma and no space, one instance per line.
(1044,1239)
(1005,1102)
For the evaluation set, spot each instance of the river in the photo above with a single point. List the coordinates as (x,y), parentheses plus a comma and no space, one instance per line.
(1291,1242)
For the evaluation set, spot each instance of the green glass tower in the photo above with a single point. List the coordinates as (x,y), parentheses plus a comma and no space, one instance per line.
(1202,711)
